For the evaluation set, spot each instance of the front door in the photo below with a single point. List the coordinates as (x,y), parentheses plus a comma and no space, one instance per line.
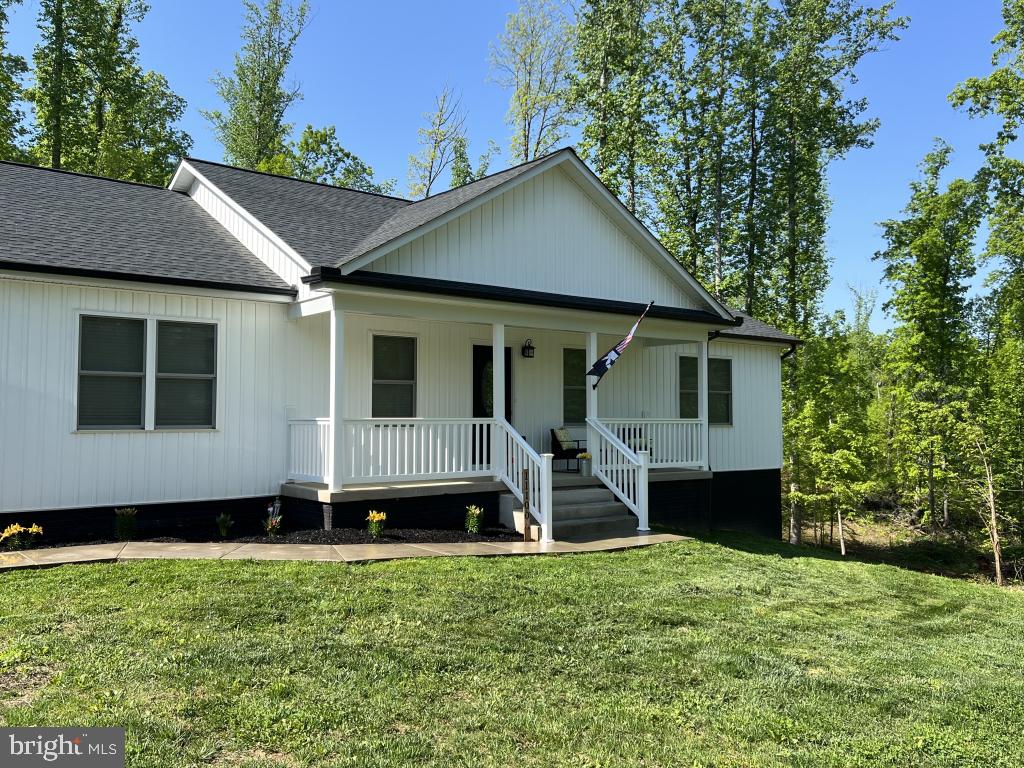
(483,392)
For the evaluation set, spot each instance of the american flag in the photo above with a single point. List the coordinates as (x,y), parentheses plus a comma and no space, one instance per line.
(600,368)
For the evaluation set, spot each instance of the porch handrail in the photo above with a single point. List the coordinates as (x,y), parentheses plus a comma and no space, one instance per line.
(416,448)
(622,469)
(670,442)
(512,456)
(309,449)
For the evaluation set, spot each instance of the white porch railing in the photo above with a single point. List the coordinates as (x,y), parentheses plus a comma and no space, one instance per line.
(416,449)
(309,449)
(670,442)
(514,458)
(620,468)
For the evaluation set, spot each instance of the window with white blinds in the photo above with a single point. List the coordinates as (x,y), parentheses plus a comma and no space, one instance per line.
(114,377)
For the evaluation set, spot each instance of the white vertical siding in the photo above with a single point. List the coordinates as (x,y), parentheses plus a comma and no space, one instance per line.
(644,383)
(265,363)
(545,234)
(290,269)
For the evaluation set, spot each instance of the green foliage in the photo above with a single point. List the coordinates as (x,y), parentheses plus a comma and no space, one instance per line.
(252,126)
(474,519)
(730,654)
(224,524)
(319,156)
(533,57)
(12,70)
(462,171)
(96,110)
(125,523)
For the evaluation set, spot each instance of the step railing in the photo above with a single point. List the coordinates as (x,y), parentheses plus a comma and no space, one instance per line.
(416,449)
(309,449)
(520,467)
(670,442)
(620,468)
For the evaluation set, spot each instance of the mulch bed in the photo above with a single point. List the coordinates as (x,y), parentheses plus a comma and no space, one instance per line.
(335,536)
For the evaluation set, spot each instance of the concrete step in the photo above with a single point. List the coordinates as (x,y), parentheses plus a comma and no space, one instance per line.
(560,496)
(593,526)
(592,509)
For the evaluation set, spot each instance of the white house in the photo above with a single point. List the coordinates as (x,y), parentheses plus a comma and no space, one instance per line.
(240,335)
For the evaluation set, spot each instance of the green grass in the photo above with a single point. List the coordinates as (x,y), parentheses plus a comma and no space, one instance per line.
(694,653)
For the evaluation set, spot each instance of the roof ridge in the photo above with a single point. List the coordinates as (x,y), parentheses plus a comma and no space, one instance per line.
(83,175)
(293,178)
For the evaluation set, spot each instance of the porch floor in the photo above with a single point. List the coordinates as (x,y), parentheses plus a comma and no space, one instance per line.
(402,490)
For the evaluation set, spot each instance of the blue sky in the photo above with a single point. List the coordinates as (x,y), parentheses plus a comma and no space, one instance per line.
(372,69)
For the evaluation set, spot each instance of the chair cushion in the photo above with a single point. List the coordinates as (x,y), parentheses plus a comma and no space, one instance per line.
(562,436)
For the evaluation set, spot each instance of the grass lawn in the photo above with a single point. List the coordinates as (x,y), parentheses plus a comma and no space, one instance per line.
(692,653)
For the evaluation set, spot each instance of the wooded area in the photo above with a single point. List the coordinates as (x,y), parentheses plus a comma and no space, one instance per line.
(715,122)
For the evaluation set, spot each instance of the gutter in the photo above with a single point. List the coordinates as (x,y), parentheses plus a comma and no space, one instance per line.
(321,276)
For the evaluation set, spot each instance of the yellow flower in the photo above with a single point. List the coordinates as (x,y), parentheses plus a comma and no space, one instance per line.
(14,529)
(377,517)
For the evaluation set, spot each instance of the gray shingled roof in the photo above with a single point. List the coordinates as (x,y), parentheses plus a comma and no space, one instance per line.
(69,222)
(753,328)
(322,223)
(330,226)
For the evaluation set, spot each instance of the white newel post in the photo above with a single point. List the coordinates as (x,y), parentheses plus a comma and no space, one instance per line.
(702,400)
(591,395)
(641,492)
(336,472)
(497,396)
(546,532)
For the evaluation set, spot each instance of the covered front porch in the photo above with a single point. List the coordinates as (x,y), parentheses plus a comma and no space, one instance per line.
(424,395)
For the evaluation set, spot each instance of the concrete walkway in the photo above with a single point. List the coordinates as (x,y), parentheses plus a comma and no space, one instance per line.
(341,553)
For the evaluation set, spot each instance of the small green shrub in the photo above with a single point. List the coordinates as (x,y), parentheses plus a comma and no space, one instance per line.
(272,525)
(16,536)
(375,523)
(224,523)
(474,519)
(125,523)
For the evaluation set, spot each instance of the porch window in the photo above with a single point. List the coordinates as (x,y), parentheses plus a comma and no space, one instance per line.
(394,377)
(574,386)
(186,374)
(719,389)
(111,373)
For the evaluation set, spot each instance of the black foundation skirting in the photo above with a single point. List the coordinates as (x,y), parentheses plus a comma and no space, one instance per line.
(748,501)
(443,512)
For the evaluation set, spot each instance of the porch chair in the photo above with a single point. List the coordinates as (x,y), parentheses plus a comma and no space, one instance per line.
(565,448)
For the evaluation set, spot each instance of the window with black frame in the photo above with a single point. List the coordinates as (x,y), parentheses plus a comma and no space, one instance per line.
(111,373)
(186,375)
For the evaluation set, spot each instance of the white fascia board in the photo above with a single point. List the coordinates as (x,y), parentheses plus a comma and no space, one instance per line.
(181,183)
(392,245)
(319,304)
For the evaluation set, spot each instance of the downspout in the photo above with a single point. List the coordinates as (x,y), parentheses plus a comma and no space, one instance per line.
(790,351)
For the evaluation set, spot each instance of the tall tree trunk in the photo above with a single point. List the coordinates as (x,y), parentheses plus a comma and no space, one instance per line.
(750,298)
(842,533)
(57,88)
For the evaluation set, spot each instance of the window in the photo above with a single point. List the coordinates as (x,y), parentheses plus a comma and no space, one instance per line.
(688,389)
(112,373)
(574,386)
(186,374)
(115,379)
(394,377)
(719,389)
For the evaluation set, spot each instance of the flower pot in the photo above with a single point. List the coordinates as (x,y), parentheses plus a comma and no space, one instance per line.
(586,467)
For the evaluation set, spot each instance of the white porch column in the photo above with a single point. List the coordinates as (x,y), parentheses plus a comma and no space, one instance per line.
(591,392)
(702,400)
(497,395)
(336,394)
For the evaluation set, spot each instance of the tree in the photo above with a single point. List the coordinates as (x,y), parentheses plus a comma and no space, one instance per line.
(12,68)
(932,360)
(319,156)
(252,126)
(97,111)
(445,127)
(462,170)
(533,57)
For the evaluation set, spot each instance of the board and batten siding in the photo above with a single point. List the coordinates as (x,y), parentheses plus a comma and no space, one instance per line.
(265,363)
(545,234)
(644,383)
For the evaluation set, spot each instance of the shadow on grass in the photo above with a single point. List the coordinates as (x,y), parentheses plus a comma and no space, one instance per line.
(942,558)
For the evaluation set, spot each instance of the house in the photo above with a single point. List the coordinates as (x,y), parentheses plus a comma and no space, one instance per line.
(239,335)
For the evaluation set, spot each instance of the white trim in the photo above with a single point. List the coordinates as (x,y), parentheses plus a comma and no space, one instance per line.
(417,389)
(673,267)
(315,305)
(227,200)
